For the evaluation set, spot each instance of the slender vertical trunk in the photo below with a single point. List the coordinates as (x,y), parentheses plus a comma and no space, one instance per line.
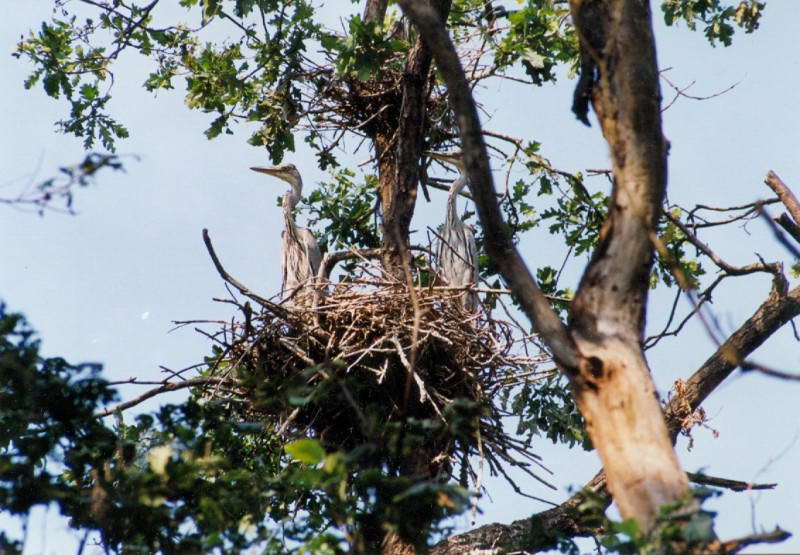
(399,169)
(398,148)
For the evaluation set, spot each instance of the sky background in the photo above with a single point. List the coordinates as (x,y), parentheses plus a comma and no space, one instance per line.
(105,285)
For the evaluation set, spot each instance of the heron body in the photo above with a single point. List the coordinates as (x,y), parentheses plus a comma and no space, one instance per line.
(456,253)
(300,254)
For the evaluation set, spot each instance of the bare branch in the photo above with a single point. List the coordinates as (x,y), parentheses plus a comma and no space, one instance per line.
(774,312)
(729,269)
(733,485)
(787,224)
(331,259)
(779,236)
(166,387)
(734,546)
(748,366)
(784,194)
(272,307)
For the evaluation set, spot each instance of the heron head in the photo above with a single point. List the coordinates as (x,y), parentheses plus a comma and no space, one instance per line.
(286,172)
(452,158)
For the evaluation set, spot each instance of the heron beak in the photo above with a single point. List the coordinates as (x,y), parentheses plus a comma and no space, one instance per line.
(269,171)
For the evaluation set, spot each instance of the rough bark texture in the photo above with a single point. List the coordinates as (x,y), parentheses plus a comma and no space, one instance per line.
(613,387)
(398,146)
(375,10)
(537,533)
(780,307)
(398,160)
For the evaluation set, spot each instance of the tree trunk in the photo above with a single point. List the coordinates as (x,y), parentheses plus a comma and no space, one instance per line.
(612,386)
(398,149)
(399,169)
(375,10)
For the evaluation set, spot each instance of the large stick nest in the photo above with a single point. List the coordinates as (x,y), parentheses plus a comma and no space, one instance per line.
(344,365)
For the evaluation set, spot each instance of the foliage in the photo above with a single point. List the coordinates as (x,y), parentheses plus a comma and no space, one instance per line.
(232,80)
(65,67)
(540,38)
(188,478)
(679,530)
(547,409)
(717,18)
(345,212)
(56,191)
(364,52)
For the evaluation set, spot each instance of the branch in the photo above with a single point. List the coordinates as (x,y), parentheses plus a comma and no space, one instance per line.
(167,387)
(43,195)
(272,307)
(777,310)
(734,546)
(537,533)
(789,226)
(499,245)
(772,268)
(748,366)
(733,485)
(331,259)
(784,194)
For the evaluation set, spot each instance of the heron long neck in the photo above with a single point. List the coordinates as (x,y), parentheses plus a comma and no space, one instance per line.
(452,198)
(290,200)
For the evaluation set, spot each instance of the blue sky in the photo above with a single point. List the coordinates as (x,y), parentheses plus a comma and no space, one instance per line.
(106,284)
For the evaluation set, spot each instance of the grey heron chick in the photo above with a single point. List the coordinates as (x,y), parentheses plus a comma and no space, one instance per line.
(456,254)
(300,254)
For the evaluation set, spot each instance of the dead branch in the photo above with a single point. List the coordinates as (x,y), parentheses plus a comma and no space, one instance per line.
(785,195)
(749,366)
(787,224)
(772,268)
(734,546)
(779,307)
(778,234)
(681,91)
(237,284)
(733,485)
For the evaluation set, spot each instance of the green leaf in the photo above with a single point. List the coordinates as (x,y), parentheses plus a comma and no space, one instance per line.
(306,451)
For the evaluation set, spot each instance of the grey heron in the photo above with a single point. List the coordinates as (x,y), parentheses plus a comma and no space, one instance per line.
(456,254)
(300,254)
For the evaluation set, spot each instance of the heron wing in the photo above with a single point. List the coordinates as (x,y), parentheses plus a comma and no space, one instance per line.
(312,250)
(472,252)
(284,262)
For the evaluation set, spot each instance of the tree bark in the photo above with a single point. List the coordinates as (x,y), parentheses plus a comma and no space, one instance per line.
(613,387)
(398,149)
(375,10)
